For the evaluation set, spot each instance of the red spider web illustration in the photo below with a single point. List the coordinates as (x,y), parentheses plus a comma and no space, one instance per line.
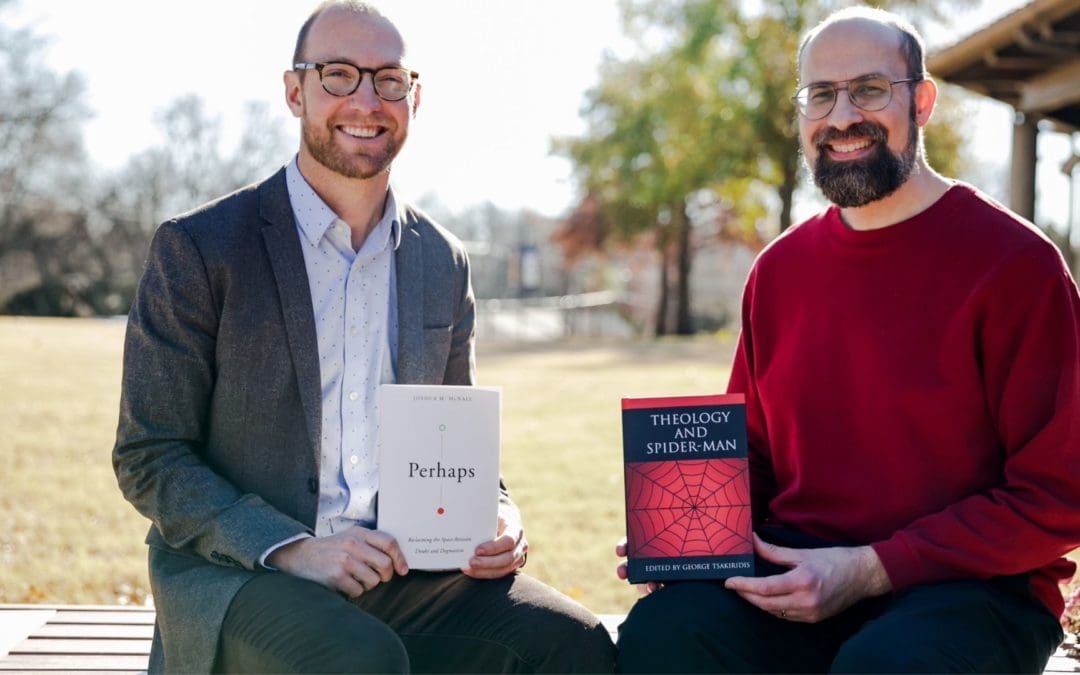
(688,508)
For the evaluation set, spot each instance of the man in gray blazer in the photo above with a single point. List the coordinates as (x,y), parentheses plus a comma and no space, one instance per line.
(262,327)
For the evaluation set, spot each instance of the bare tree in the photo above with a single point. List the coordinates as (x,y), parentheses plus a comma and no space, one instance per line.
(73,241)
(189,169)
(43,166)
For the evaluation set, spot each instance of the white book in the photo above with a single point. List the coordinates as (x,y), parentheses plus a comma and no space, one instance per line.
(438,471)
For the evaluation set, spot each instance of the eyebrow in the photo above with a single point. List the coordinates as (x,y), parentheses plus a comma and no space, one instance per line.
(857,77)
(342,59)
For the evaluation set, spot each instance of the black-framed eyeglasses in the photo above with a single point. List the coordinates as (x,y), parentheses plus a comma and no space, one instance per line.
(342,79)
(869,92)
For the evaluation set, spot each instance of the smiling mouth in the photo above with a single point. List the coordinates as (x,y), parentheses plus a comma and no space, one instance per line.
(362,131)
(851,146)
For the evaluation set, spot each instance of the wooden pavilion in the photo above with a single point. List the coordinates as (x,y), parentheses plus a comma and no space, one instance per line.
(1029,59)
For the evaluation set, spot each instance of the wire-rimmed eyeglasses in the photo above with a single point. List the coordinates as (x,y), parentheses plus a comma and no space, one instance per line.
(869,92)
(342,79)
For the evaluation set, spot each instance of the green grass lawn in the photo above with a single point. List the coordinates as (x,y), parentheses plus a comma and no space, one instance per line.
(71,537)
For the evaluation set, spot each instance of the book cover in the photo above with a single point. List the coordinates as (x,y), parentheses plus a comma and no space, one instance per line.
(438,471)
(687,488)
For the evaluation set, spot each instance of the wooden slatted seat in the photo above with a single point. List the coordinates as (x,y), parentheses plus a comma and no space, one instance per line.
(101,638)
(107,638)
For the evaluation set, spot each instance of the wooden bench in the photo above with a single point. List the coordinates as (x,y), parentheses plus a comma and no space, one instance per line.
(111,638)
(102,638)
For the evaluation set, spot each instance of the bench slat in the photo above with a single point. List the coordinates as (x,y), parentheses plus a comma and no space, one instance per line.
(73,662)
(78,616)
(611,623)
(81,646)
(1061,664)
(89,631)
(18,625)
(130,609)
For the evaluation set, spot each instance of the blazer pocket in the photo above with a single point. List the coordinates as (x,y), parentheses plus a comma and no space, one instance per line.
(436,353)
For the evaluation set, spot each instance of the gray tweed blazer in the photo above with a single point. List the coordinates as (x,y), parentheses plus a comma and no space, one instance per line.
(218,439)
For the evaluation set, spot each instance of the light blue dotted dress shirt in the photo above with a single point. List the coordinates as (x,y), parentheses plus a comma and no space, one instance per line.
(354,295)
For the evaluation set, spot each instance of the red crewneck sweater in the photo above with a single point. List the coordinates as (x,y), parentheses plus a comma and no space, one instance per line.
(917,388)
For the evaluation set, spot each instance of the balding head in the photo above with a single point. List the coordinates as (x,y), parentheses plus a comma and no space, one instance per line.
(354,6)
(894,33)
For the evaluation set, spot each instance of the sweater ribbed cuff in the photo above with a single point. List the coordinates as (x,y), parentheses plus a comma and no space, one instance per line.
(900,562)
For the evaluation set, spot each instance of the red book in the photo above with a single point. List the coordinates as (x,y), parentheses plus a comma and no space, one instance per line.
(687,488)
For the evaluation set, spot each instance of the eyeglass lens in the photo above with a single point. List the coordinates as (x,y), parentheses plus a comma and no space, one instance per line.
(815,101)
(342,79)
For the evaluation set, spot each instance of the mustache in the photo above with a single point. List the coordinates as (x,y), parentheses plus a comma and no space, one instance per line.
(865,129)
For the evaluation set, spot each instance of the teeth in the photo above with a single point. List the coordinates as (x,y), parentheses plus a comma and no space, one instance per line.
(850,147)
(361,132)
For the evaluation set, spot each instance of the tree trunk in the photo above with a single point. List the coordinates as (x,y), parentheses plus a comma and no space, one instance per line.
(790,170)
(661,326)
(684,319)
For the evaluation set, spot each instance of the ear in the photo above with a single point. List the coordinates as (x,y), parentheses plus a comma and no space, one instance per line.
(294,92)
(926,93)
(416,98)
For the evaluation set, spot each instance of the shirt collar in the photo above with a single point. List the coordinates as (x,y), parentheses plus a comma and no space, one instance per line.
(314,216)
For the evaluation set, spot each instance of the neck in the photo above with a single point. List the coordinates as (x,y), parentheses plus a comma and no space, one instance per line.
(924,187)
(357,201)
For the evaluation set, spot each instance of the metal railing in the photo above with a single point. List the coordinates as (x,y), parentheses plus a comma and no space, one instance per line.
(551,318)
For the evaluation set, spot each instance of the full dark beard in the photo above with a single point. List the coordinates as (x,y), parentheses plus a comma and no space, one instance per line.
(325,152)
(860,182)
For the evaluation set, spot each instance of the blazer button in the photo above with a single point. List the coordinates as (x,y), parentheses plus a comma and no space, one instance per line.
(313,486)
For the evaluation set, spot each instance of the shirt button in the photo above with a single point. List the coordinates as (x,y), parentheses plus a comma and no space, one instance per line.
(353,396)
(354,459)
(354,330)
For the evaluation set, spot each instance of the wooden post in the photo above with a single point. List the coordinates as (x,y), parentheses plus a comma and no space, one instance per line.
(1022,173)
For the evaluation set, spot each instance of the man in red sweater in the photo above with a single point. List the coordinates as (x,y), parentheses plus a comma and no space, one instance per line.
(911,362)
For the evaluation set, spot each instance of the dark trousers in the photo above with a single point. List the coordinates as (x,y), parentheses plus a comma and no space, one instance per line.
(995,626)
(422,622)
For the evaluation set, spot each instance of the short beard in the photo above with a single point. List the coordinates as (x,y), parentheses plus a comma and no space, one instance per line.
(332,157)
(860,182)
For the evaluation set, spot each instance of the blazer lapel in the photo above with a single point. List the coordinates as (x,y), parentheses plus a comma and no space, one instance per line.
(409,270)
(290,272)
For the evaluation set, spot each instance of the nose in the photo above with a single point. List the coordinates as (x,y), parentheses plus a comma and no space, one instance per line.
(844,112)
(365,98)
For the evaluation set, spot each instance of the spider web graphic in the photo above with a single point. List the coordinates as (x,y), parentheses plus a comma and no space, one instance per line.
(688,508)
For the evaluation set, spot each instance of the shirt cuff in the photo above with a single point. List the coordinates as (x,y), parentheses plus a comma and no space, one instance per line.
(267,552)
